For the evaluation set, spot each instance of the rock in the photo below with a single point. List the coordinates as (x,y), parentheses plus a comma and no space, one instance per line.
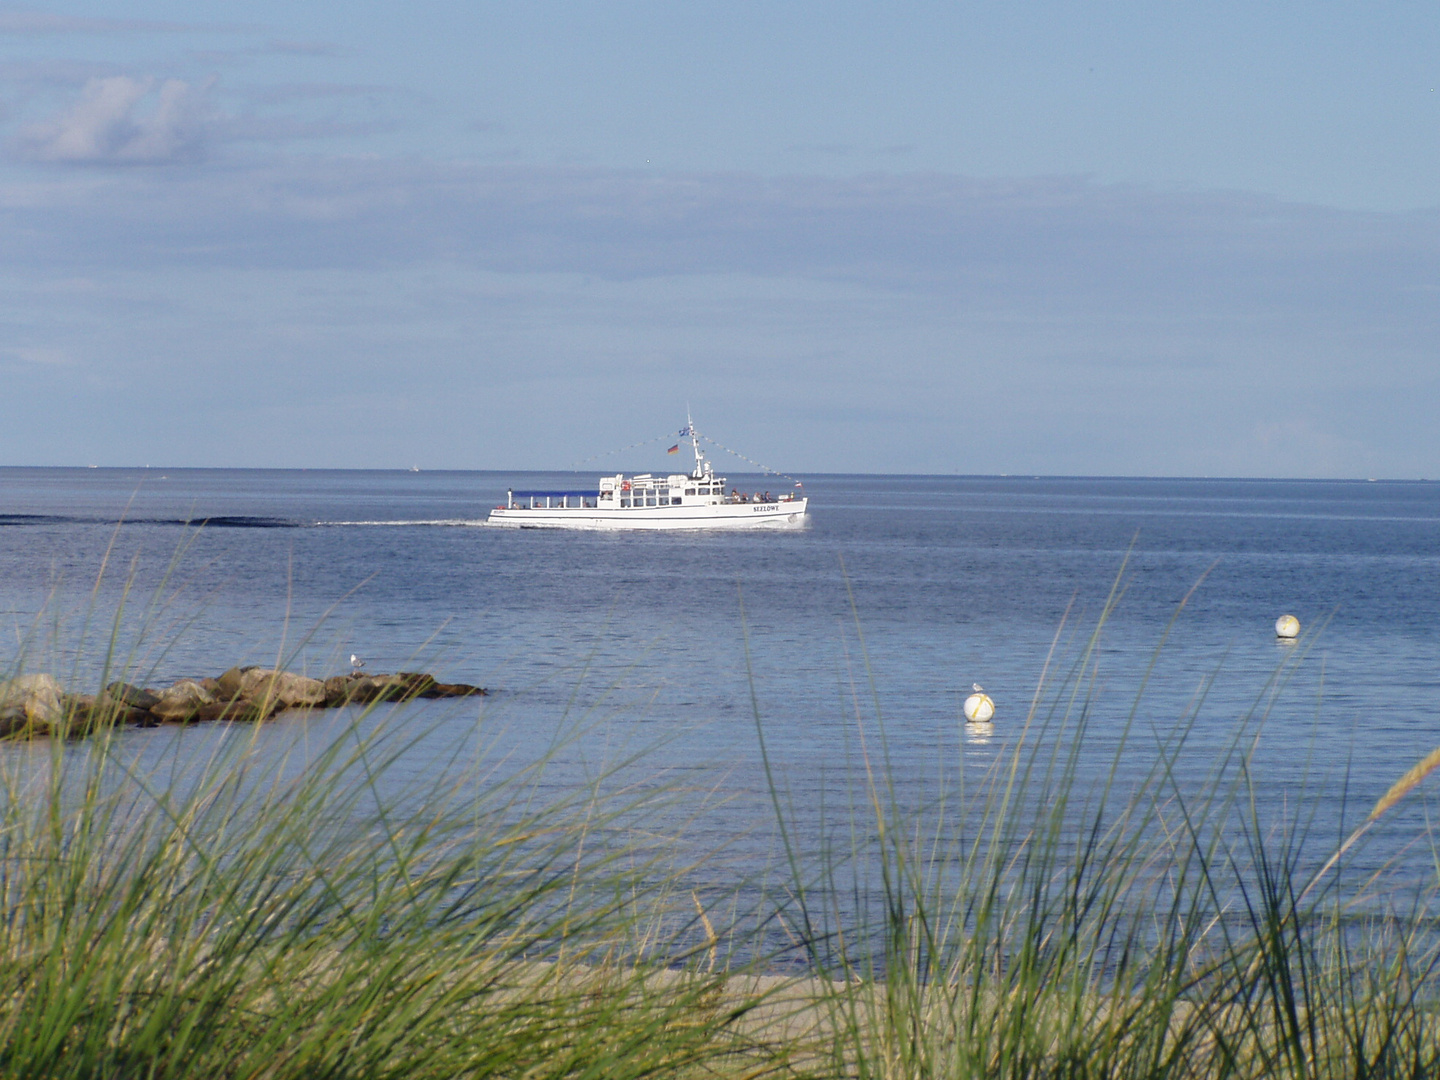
(122,693)
(87,714)
(362,689)
(370,688)
(137,717)
(211,687)
(181,701)
(81,714)
(14,725)
(285,687)
(337,690)
(238,710)
(402,686)
(230,682)
(399,687)
(415,683)
(441,689)
(30,703)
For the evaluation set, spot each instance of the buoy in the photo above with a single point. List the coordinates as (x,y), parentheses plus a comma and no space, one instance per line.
(1287,626)
(978,706)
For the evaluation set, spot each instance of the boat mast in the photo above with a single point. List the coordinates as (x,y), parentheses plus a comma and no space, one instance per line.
(702,467)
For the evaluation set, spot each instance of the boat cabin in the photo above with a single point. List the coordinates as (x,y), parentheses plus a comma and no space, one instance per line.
(644,491)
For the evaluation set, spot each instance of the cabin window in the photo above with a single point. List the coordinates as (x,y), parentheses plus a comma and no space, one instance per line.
(675,501)
(624,502)
(689,491)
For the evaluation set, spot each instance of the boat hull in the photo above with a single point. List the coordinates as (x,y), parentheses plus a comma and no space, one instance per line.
(776,515)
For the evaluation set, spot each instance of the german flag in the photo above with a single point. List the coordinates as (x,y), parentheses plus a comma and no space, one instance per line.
(674,449)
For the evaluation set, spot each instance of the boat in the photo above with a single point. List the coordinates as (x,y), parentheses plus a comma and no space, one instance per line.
(697,500)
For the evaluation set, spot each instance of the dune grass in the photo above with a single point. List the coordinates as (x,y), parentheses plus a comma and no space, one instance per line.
(233,910)
(1048,921)
(259,916)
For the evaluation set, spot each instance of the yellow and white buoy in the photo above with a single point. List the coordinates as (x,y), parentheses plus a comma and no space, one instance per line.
(978,706)
(1287,626)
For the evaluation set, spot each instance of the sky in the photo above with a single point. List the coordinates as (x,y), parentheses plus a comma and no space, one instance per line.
(1044,238)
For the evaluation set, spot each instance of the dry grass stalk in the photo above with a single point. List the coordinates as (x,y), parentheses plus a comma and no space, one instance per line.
(1398,790)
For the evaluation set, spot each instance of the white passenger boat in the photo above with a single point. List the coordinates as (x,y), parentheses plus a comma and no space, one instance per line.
(643,501)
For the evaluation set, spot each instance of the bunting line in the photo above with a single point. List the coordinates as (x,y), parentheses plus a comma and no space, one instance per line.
(686,432)
(752,461)
(621,450)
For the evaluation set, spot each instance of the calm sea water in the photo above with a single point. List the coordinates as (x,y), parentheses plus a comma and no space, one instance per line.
(919,584)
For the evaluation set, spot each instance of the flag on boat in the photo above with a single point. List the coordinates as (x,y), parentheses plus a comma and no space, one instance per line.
(674,449)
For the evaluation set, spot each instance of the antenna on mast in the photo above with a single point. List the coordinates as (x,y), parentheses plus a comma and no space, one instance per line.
(702,467)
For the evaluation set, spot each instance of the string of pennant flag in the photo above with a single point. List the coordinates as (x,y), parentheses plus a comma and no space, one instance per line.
(742,457)
(622,449)
(685,433)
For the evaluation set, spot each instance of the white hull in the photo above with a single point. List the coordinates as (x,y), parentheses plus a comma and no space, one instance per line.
(757,515)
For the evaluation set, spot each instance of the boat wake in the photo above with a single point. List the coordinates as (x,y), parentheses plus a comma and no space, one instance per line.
(224,521)
(438,522)
(218,522)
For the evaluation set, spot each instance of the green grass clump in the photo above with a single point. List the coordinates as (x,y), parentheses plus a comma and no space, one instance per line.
(264,905)
(264,916)
(1048,920)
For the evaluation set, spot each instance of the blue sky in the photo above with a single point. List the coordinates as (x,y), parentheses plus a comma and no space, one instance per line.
(988,238)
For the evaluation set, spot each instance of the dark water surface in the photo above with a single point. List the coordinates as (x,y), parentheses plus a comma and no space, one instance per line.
(638,638)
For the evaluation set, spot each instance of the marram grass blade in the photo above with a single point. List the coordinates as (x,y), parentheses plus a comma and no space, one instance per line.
(1402,787)
(1398,790)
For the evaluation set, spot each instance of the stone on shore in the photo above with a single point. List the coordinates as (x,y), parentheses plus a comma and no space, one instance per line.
(416,684)
(30,702)
(284,687)
(230,683)
(238,710)
(181,701)
(337,690)
(402,686)
(122,693)
(36,705)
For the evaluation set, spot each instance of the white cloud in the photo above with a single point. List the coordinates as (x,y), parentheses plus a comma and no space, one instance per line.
(121,119)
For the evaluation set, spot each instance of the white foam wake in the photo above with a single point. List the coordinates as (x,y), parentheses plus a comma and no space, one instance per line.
(449,522)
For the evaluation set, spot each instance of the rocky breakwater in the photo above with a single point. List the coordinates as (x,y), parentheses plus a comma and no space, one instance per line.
(37,705)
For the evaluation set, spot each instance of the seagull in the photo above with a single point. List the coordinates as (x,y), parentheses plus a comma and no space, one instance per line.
(973,686)
(355,664)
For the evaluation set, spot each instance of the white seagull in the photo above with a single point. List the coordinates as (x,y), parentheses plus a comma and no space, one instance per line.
(355,664)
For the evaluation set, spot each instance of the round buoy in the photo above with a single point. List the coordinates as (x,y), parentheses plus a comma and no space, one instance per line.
(1287,626)
(979,708)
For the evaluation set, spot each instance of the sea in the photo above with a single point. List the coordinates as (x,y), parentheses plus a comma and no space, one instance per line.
(786,669)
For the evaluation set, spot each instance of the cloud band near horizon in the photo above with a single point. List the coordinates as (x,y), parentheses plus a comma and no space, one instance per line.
(1119,328)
